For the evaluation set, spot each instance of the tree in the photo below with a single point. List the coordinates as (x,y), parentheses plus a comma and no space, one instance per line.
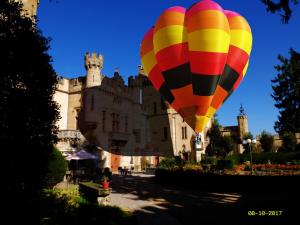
(56,169)
(284,5)
(28,112)
(215,138)
(286,93)
(267,141)
(289,142)
(228,144)
(219,145)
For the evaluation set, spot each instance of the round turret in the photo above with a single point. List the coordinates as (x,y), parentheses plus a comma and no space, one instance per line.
(93,66)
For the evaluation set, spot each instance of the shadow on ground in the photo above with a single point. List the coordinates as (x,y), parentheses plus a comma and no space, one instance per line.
(156,204)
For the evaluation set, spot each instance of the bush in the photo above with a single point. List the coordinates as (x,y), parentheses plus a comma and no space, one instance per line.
(56,169)
(56,207)
(224,164)
(210,160)
(193,166)
(289,142)
(275,158)
(236,158)
(267,141)
(169,163)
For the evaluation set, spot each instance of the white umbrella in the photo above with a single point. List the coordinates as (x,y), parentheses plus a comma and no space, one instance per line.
(81,155)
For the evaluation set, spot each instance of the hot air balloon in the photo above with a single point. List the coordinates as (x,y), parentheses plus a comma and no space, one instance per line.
(196,58)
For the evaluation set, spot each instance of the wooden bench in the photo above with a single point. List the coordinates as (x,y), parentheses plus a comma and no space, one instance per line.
(94,192)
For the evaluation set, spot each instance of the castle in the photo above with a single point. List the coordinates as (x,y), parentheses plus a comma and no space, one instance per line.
(29,6)
(128,124)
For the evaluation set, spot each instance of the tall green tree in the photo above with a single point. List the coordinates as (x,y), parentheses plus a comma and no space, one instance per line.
(266,141)
(219,145)
(281,5)
(227,144)
(215,138)
(289,142)
(28,112)
(286,93)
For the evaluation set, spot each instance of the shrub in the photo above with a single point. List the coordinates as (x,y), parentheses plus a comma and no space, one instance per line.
(57,207)
(169,163)
(289,142)
(56,169)
(224,164)
(236,158)
(192,166)
(277,158)
(267,141)
(210,160)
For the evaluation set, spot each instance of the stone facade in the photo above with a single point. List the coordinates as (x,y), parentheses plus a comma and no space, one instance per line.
(129,123)
(29,6)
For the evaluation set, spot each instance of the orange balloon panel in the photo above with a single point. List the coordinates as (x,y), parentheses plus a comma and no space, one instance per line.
(196,58)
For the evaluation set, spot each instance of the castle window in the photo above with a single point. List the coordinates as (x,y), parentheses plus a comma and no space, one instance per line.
(137,135)
(154,108)
(92,103)
(117,122)
(183,133)
(165,137)
(77,118)
(113,122)
(126,124)
(162,104)
(103,120)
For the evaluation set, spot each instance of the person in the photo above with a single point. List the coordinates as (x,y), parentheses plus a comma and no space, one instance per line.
(107,173)
(120,170)
(125,170)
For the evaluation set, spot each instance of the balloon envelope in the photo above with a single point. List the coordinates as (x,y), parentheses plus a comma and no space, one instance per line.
(196,58)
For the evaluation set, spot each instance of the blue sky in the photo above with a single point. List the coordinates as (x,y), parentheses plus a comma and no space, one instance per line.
(115,29)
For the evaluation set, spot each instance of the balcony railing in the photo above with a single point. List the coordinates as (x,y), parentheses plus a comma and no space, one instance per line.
(69,134)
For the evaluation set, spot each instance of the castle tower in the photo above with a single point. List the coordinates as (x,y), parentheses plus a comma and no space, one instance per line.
(141,70)
(29,6)
(93,66)
(242,122)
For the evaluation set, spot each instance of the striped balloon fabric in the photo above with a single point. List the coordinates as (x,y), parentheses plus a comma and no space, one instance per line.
(196,58)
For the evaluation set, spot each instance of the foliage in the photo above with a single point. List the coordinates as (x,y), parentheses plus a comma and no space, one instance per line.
(56,169)
(286,93)
(283,5)
(228,144)
(209,160)
(169,163)
(264,157)
(275,158)
(193,166)
(58,207)
(235,158)
(248,135)
(267,141)
(219,145)
(28,111)
(289,142)
(225,164)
